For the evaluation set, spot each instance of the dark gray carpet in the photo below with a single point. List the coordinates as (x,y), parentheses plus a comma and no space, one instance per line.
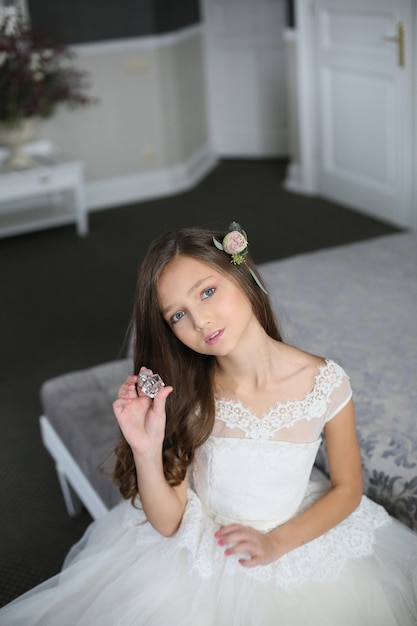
(66,303)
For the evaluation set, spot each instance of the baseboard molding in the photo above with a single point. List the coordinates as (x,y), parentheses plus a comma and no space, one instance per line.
(148,185)
(294,180)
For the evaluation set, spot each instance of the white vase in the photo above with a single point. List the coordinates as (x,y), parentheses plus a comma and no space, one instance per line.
(14,137)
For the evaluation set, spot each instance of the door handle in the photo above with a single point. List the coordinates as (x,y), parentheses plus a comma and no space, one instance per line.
(400,41)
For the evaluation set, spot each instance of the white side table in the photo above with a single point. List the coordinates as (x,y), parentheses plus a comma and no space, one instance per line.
(42,197)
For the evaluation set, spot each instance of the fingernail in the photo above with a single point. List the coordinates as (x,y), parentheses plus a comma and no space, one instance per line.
(216,534)
(227,552)
(220,542)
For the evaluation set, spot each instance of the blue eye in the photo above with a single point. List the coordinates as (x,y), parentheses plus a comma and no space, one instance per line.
(176,318)
(208,292)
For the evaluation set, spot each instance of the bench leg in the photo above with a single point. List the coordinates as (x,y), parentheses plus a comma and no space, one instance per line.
(72,501)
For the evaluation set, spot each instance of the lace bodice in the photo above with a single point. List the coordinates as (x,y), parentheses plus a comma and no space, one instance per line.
(300,421)
(257,471)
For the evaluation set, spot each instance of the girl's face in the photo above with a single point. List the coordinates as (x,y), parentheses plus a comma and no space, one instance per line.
(206,311)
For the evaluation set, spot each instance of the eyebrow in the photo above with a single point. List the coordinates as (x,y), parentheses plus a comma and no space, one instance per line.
(193,288)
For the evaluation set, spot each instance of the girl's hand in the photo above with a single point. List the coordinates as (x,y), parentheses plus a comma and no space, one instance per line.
(141,419)
(128,389)
(259,548)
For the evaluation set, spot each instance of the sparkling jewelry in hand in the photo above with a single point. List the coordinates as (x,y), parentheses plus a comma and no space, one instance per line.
(150,383)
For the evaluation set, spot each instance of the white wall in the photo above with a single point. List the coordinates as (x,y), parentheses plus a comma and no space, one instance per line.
(245,62)
(148,135)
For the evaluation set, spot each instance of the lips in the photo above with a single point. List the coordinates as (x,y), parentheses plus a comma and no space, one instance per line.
(213,337)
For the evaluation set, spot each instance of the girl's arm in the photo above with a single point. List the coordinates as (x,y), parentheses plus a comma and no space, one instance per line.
(142,422)
(341,500)
(163,505)
(345,493)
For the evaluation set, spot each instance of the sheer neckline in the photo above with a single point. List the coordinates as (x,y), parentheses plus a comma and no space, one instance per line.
(308,396)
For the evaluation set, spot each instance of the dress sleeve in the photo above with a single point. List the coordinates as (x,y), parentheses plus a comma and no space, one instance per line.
(339,395)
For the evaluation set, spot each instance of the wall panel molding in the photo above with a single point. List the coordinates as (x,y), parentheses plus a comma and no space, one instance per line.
(165,181)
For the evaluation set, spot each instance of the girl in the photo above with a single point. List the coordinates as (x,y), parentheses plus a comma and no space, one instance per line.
(229,525)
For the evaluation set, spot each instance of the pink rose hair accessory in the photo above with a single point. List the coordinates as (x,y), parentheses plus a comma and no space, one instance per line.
(235,243)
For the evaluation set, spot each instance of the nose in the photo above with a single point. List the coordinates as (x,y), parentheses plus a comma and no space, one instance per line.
(200,319)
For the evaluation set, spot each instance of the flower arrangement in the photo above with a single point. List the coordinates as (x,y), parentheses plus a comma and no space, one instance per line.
(36,74)
(235,243)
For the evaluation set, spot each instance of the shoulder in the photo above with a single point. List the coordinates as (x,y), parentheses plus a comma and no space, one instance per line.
(330,384)
(314,372)
(307,362)
(301,362)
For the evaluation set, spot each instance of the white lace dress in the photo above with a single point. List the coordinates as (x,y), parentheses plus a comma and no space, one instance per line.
(256,471)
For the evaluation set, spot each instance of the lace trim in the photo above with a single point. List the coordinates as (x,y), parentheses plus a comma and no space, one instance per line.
(283,415)
(321,559)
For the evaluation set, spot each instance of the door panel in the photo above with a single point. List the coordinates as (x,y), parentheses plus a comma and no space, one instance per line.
(364,156)
(365,107)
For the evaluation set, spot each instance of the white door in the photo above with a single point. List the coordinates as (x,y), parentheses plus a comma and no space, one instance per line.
(364,105)
(246,76)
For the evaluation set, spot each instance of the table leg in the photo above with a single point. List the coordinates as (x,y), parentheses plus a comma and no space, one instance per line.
(81,210)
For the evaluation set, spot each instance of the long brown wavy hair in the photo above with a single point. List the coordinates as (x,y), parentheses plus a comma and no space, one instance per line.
(191,374)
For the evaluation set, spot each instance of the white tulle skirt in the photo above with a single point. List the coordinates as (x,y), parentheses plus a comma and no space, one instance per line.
(123,573)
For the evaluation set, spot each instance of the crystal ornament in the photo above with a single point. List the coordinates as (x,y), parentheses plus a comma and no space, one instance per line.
(150,383)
